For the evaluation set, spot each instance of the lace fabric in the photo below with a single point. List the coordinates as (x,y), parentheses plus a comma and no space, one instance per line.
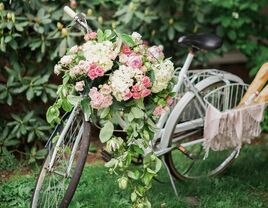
(231,128)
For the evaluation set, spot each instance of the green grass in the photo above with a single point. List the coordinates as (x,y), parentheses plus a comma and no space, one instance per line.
(244,184)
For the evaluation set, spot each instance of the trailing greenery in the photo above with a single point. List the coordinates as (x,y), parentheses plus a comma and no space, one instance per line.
(33,34)
(244,184)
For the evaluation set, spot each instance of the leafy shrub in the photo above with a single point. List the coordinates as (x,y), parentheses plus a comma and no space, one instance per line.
(7,161)
(17,193)
(33,34)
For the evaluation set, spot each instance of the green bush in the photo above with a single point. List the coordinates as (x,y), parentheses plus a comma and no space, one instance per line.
(34,34)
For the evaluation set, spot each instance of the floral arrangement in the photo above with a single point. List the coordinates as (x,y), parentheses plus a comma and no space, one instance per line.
(119,82)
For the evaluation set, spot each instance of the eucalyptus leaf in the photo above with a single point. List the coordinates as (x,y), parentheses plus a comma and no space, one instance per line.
(106,131)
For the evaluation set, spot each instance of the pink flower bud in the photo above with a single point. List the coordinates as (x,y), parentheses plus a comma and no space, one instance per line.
(126,50)
(90,36)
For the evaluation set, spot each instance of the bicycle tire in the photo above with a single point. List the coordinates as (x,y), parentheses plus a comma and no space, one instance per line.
(73,182)
(170,158)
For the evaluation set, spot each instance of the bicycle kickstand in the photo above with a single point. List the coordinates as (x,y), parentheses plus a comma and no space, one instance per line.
(170,177)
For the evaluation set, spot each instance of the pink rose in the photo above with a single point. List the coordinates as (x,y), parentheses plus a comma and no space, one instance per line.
(90,36)
(107,101)
(136,95)
(158,110)
(98,100)
(170,100)
(95,71)
(135,88)
(126,50)
(79,86)
(146,81)
(128,95)
(145,92)
(134,61)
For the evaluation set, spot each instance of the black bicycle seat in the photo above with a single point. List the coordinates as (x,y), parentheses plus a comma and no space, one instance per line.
(201,41)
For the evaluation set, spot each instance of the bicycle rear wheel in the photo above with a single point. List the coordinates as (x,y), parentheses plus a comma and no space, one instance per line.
(186,160)
(63,166)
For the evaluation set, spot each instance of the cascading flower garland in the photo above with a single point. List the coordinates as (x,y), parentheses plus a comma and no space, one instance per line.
(125,84)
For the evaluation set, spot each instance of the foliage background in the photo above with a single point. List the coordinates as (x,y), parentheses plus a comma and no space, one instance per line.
(34,34)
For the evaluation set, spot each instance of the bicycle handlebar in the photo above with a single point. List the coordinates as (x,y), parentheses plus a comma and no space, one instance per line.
(69,12)
(78,18)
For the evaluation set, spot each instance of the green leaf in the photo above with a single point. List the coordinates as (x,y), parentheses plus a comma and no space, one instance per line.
(8,38)
(63,47)
(133,196)
(130,117)
(133,174)
(52,114)
(104,112)
(55,139)
(40,154)
(232,35)
(100,35)
(140,104)
(30,94)
(9,99)
(137,112)
(113,162)
(106,131)
(66,105)
(86,108)
(128,40)
(158,164)
(74,100)
(171,33)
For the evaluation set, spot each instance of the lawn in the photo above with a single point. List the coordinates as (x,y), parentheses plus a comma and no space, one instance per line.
(244,184)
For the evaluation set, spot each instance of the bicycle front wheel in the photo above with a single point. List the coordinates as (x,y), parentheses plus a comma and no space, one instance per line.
(186,160)
(63,166)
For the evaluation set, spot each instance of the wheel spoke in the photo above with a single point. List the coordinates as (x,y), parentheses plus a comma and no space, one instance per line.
(52,184)
(188,162)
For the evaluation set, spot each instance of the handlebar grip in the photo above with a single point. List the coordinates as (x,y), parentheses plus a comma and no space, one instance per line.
(69,12)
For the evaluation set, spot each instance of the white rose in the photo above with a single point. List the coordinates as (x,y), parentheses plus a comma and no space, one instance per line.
(67,59)
(74,49)
(136,36)
(57,69)
(79,86)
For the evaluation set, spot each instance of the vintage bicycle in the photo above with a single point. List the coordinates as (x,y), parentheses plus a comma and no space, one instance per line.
(178,142)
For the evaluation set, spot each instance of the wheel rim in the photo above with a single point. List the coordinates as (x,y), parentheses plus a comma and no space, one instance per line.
(186,161)
(188,158)
(53,183)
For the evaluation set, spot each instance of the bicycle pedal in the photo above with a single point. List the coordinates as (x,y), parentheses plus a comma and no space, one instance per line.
(186,152)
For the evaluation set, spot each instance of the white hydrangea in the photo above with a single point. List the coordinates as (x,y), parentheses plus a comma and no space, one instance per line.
(122,79)
(163,73)
(100,53)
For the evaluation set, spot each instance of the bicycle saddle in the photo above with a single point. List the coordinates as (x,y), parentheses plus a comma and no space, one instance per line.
(201,41)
